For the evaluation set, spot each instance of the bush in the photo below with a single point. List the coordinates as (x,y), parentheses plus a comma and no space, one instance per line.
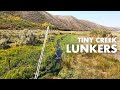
(100,33)
(4,44)
(28,38)
(23,62)
(25,72)
(48,67)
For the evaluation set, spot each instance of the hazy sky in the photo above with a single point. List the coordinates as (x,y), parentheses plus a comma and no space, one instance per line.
(107,18)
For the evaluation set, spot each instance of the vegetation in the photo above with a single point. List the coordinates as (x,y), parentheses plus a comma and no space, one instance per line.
(21,43)
(20,61)
(100,33)
(16,22)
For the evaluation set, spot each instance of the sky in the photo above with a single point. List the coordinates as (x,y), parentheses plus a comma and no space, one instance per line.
(106,18)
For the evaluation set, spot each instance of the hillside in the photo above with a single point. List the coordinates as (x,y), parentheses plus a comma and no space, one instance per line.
(61,22)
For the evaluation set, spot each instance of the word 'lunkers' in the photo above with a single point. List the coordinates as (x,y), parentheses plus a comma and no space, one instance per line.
(91,48)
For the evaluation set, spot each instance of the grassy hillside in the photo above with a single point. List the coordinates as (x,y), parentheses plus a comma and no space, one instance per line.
(8,21)
(34,19)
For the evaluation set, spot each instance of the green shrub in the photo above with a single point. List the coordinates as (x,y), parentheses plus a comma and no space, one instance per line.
(27,37)
(25,72)
(100,33)
(4,44)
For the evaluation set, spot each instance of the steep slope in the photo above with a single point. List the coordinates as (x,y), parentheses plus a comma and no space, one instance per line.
(70,22)
(62,22)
